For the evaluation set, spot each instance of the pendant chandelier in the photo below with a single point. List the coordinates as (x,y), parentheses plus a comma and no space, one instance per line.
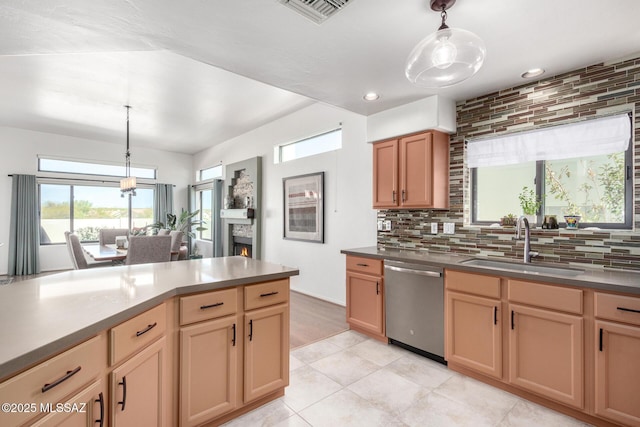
(128,183)
(446,57)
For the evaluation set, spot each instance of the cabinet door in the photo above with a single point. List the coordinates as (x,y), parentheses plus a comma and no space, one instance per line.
(546,353)
(208,370)
(618,372)
(266,346)
(365,302)
(84,409)
(473,333)
(416,171)
(385,174)
(138,390)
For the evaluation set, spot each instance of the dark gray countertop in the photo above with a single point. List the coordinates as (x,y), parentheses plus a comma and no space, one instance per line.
(609,280)
(41,317)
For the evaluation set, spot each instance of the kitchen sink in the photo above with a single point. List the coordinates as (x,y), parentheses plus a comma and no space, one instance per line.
(522,268)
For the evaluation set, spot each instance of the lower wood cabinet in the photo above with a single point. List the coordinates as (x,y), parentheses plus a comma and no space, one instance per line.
(617,358)
(86,408)
(266,348)
(365,296)
(474,333)
(618,372)
(208,370)
(365,304)
(546,353)
(537,346)
(138,388)
(234,349)
(228,348)
(38,390)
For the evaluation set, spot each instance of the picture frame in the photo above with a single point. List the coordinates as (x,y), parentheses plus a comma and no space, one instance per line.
(303,207)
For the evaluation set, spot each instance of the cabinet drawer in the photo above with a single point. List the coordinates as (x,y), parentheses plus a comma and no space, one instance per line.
(486,286)
(364,265)
(617,307)
(264,294)
(546,296)
(209,305)
(53,379)
(136,333)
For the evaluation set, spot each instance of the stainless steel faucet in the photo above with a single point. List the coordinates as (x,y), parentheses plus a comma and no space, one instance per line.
(528,254)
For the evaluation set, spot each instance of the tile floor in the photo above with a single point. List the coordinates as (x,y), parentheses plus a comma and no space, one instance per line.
(352,380)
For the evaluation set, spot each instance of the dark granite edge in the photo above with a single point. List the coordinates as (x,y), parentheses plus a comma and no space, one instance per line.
(27,360)
(613,281)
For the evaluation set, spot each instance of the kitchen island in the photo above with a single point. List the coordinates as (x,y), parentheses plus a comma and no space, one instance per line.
(51,316)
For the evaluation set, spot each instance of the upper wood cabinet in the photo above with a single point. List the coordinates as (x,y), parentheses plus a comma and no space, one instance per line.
(412,171)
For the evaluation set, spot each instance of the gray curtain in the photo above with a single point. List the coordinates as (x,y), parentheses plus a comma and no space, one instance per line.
(24,232)
(162,202)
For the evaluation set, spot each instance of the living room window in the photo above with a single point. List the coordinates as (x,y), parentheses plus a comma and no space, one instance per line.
(85,209)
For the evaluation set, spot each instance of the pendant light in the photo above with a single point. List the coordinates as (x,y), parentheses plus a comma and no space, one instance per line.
(446,57)
(128,183)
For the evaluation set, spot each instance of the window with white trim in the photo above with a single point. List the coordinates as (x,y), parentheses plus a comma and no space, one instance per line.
(578,169)
(316,144)
(84,197)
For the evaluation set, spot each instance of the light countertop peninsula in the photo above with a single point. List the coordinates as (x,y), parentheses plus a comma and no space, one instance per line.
(44,316)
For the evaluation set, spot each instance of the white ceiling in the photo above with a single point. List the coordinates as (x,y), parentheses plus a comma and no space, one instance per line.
(199,72)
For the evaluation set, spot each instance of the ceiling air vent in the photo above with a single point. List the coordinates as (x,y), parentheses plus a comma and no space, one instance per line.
(316,10)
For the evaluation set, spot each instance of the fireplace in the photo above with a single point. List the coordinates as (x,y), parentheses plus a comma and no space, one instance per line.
(242,246)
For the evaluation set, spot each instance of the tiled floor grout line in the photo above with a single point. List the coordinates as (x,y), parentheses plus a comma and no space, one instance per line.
(393,387)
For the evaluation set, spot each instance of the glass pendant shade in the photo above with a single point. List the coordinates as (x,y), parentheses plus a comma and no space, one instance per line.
(445,58)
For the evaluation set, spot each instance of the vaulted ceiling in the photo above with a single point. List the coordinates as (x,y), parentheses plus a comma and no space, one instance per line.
(198,72)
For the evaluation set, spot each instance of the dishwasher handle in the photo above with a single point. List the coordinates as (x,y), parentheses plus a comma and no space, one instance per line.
(412,271)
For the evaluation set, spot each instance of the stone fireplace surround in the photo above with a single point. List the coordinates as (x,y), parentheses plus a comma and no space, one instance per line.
(243,179)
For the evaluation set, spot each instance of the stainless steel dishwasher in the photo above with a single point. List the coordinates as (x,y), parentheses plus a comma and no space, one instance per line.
(414,304)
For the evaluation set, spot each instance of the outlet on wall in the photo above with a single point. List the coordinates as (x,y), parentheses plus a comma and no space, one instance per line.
(387,225)
(380,226)
(449,228)
(434,228)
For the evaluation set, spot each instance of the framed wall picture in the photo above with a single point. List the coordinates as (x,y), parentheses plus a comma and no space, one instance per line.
(304,207)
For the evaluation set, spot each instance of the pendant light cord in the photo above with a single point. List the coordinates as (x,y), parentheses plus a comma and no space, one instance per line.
(128,154)
(443,15)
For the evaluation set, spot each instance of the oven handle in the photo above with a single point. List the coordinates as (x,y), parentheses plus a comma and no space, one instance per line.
(409,270)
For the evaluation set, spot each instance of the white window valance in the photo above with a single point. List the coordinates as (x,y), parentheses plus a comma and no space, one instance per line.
(589,138)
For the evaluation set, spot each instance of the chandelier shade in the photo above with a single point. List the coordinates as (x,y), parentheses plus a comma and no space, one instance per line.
(445,57)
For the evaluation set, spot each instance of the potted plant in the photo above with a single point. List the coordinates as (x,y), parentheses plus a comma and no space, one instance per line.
(572,217)
(185,223)
(530,203)
(509,220)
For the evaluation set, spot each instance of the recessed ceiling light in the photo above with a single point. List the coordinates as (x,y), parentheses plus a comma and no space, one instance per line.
(534,72)
(371,96)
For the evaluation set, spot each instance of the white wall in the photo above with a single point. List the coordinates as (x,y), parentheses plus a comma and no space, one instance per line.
(21,147)
(350,220)
(434,112)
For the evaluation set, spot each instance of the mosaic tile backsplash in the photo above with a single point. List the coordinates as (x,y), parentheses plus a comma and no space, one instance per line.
(593,91)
